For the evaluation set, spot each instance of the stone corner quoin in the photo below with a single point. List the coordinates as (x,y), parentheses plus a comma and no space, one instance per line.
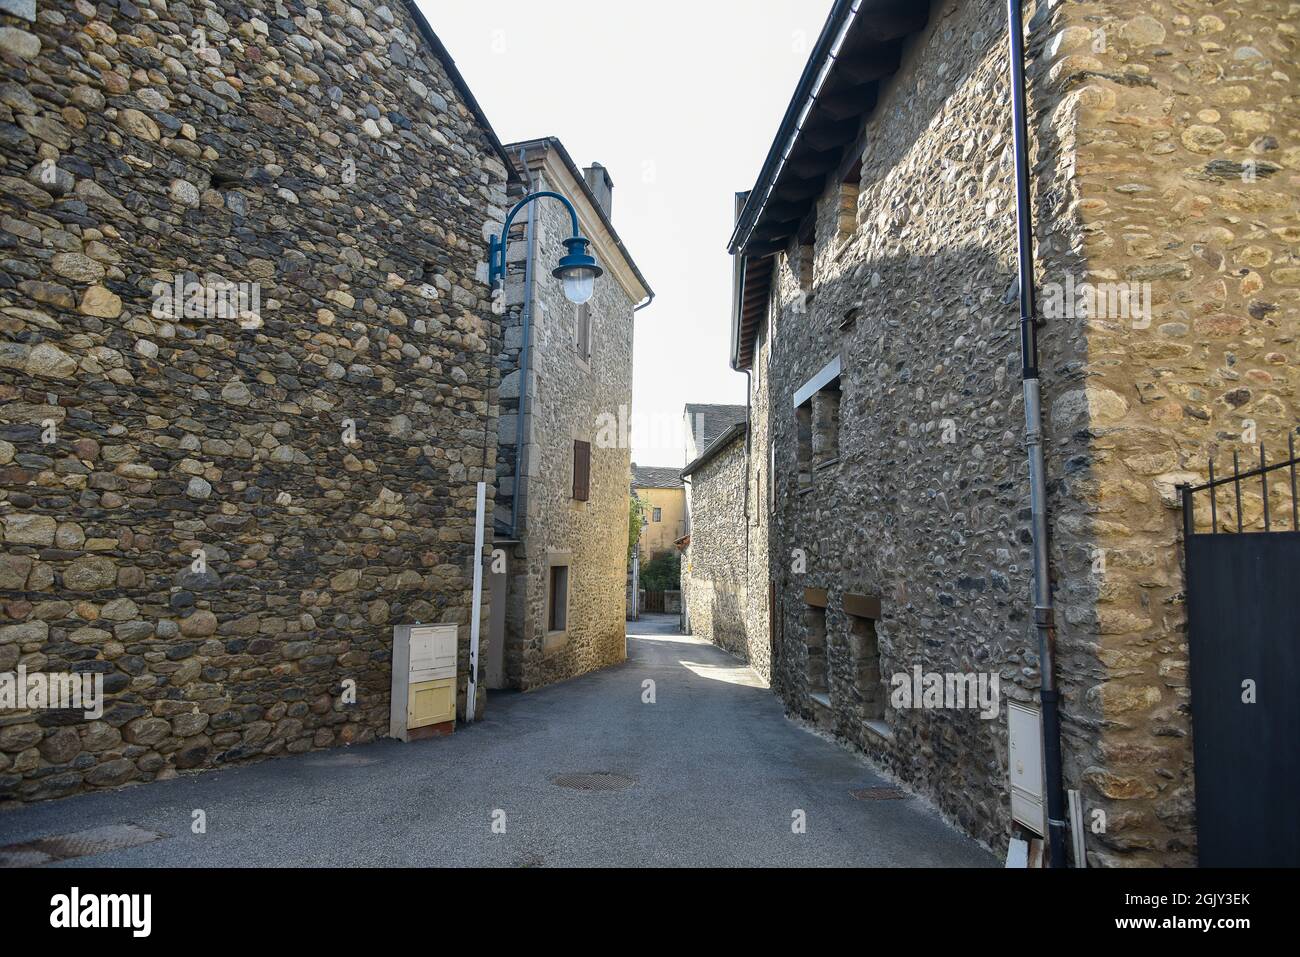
(223,512)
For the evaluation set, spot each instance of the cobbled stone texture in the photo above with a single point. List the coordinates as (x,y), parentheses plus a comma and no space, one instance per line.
(716,577)
(1143,122)
(570,397)
(318,149)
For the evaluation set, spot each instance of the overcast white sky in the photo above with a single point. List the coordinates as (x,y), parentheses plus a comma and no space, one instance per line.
(680,100)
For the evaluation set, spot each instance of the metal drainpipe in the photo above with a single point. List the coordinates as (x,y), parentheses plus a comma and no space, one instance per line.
(531,246)
(749,385)
(1044,618)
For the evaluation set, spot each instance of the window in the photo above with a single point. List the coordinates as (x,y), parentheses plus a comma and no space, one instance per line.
(557,599)
(826,424)
(582,332)
(847,213)
(815,638)
(658,515)
(817,421)
(581,470)
(865,650)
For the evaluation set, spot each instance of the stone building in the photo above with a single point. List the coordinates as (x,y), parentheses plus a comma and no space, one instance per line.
(247,374)
(663,502)
(560,548)
(875,314)
(722,561)
(704,422)
(719,570)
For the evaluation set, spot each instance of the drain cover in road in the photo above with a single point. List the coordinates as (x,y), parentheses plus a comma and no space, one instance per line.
(879,794)
(95,840)
(594,781)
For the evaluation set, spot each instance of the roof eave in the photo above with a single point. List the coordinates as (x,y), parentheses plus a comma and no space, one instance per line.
(715,447)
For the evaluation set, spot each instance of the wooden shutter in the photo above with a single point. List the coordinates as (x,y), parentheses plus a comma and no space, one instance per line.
(581,470)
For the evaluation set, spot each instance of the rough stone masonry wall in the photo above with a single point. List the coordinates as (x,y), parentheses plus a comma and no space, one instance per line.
(760,475)
(219,138)
(1183,119)
(568,399)
(927,506)
(716,586)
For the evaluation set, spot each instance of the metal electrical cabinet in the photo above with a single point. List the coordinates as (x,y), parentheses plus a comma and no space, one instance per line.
(424,681)
(1025,753)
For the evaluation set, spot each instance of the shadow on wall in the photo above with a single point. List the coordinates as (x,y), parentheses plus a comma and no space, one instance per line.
(926,503)
(727,626)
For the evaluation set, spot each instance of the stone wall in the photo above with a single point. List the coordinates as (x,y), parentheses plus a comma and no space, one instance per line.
(1182,120)
(923,500)
(181,512)
(715,577)
(759,610)
(1143,125)
(567,397)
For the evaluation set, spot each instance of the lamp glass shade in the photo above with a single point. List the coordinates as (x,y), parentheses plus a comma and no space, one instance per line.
(579,284)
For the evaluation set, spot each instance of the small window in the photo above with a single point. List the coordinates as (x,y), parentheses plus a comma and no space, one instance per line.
(826,424)
(557,601)
(582,332)
(865,650)
(581,470)
(659,515)
(815,638)
(847,212)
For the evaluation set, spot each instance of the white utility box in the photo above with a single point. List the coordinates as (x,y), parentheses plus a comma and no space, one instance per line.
(424,681)
(1025,753)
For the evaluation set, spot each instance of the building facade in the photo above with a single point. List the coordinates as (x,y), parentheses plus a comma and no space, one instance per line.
(246,379)
(560,553)
(875,313)
(719,571)
(704,422)
(663,510)
(725,581)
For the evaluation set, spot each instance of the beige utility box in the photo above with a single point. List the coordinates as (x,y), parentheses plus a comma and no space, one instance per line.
(1025,755)
(424,681)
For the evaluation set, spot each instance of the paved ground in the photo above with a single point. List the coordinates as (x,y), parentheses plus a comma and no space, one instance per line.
(719,772)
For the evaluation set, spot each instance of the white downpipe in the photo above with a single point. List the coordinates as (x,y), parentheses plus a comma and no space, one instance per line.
(471,691)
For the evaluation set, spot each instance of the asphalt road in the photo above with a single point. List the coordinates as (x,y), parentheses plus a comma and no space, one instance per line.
(719,774)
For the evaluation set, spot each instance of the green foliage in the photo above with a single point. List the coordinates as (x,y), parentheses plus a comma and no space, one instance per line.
(635,509)
(663,573)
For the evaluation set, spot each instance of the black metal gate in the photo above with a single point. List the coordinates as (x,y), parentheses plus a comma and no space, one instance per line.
(1244,637)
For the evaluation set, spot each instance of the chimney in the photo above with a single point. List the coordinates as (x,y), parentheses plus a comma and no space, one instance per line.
(601,186)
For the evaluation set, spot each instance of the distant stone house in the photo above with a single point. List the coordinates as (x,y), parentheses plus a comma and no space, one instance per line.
(561,509)
(874,314)
(703,423)
(663,505)
(247,384)
(724,585)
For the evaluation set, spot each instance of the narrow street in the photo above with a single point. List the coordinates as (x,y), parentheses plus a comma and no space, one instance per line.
(718,772)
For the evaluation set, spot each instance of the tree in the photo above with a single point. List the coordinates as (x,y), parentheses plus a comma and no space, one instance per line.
(663,573)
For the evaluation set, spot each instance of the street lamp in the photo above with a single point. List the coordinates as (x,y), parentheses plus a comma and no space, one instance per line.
(578,269)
